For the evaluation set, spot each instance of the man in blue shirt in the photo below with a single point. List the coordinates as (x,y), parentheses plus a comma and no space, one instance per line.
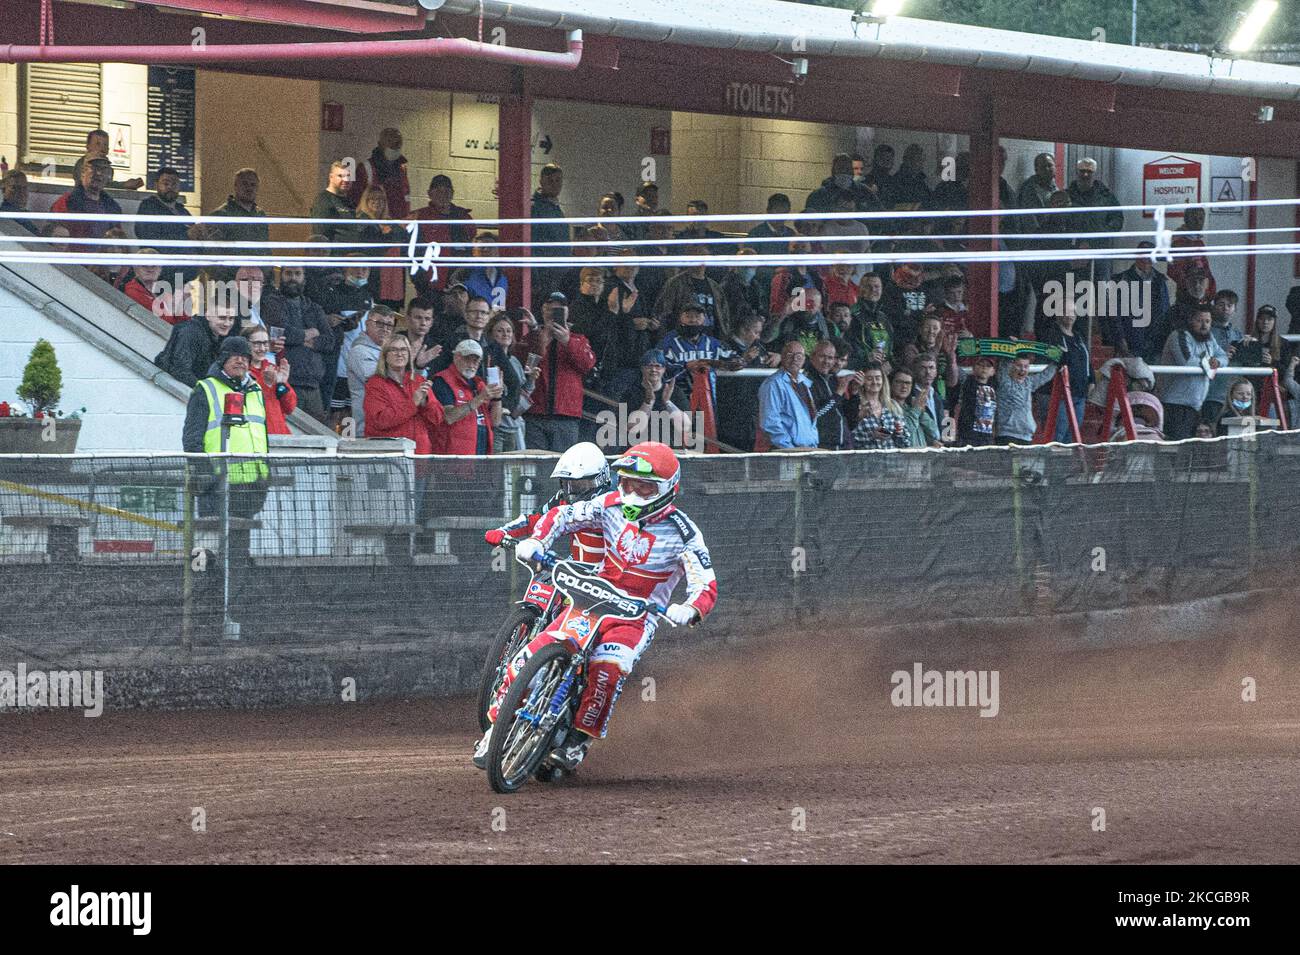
(785,405)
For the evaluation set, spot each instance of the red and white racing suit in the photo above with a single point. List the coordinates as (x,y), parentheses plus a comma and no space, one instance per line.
(585,546)
(646,561)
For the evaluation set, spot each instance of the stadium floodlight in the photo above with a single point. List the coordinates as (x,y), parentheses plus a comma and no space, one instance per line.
(881,10)
(1248,25)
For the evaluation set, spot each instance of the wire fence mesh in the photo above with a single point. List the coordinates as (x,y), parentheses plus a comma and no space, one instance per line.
(115,553)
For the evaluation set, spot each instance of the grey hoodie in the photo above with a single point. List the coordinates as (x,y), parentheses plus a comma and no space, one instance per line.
(1015,412)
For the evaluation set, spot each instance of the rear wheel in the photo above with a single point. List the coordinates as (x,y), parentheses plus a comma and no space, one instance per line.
(507,642)
(523,733)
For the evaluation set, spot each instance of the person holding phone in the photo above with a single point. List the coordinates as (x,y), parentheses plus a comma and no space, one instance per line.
(400,404)
(471,407)
(565,358)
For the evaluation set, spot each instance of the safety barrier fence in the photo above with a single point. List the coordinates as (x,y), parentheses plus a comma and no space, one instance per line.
(119,553)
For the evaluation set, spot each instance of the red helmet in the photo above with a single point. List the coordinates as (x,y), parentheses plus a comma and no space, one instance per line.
(648,461)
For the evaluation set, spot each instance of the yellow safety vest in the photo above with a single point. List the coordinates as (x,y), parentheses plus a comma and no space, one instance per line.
(247,438)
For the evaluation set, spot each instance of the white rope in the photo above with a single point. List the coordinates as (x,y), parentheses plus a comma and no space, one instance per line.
(661,261)
(719,217)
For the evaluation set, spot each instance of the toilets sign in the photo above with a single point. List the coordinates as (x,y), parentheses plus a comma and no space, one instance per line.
(1170,181)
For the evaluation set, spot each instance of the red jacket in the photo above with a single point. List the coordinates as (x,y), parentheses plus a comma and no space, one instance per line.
(568,365)
(443,235)
(277,409)
(159,305)
(389,176)
(391,412)
(460,437)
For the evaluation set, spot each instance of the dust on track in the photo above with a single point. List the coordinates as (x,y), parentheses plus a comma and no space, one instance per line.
(712,768)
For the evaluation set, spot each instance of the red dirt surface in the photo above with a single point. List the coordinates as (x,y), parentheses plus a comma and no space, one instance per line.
(712,770)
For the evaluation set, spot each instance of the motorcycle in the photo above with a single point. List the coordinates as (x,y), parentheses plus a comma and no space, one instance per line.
(538,710)
(531,616)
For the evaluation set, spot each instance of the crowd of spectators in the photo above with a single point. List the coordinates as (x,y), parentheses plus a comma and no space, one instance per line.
(854,356)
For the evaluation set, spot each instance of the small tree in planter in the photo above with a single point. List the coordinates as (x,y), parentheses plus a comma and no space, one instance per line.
(41,388)
(42,381)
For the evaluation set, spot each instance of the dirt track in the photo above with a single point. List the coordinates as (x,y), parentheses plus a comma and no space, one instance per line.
(708,772)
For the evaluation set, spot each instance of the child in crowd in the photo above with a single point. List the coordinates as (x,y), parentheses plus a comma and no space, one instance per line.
(977,402)
(1240,404)
(1014,414)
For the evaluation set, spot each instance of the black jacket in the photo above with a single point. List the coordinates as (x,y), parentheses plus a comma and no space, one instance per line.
(173,225)
(295,316)
(196,412)
(190,350)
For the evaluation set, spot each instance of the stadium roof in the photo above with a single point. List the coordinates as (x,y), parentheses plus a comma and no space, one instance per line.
(773,26)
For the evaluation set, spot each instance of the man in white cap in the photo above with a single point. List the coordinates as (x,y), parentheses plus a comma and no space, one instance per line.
(467,428)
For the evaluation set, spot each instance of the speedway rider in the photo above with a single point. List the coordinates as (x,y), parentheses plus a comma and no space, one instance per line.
(583,473)
(652,545)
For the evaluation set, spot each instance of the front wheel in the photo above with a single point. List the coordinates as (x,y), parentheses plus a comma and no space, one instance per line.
(509,640)
(525,728)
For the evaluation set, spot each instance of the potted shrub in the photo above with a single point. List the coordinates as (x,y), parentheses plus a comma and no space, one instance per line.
(45,430)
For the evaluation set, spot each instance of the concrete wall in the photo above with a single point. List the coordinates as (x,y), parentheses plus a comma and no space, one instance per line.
(124,409)
(282,145)
(600,148)
(9,112)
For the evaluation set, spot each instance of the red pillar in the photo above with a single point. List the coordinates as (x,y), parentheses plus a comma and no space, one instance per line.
(514,178)
(982,278)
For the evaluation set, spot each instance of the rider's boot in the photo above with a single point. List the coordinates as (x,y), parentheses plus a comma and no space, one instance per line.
(572,751)
(481,750)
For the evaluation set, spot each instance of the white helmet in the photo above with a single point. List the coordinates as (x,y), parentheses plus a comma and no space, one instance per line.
(583,472)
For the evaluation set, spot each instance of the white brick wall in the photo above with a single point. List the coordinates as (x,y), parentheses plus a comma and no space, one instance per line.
(123,410)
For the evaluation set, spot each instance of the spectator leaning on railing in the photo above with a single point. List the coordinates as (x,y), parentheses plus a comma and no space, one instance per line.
(1183,395)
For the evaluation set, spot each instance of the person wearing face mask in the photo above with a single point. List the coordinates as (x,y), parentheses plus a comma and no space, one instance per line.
(308,337)
(691,347)
(841,184)
(386,168)
(344,306)
(1240,404)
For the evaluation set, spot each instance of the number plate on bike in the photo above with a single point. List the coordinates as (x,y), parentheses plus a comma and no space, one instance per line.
(539,594)
(590,592)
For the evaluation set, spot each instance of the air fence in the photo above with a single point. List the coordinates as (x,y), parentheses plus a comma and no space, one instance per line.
(124,555)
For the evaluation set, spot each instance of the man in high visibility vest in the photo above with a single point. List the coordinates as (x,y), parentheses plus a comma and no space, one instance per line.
(216,422)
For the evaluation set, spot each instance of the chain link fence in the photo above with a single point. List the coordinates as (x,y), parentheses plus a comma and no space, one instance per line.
(128,553)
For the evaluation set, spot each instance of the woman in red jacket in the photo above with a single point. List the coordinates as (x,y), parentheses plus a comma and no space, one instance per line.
(400,404)
(277,394)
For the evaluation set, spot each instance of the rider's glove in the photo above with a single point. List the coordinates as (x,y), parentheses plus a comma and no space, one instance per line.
(495,537)
(682,614)
(529,549)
